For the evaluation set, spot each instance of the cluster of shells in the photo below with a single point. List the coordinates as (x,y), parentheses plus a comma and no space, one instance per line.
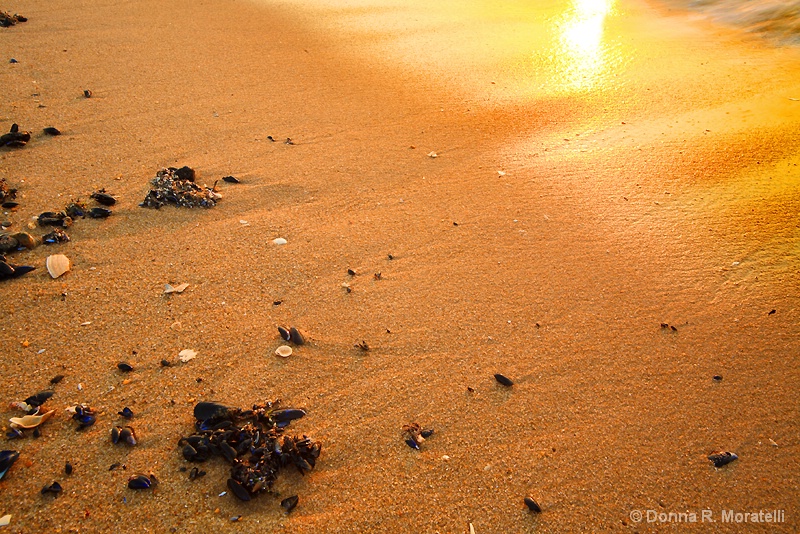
(177,187)
(252,442)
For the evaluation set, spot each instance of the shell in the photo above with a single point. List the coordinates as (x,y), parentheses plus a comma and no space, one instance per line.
(284,351)
(279,241)
(187,354)
(57,264)
(25,239)
(31,421)
(175,289)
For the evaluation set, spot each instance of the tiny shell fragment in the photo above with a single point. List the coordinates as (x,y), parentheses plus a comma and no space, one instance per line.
(187,354)
(284,351)
(279,241)
(175,289)
(5,520)
(57,264)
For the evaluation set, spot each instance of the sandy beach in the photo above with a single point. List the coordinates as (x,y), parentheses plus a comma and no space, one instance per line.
(526,188)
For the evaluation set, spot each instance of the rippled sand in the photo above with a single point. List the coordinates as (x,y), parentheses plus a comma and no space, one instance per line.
(601,168)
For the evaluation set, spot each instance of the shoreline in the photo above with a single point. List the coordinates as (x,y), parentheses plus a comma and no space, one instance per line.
(548,240)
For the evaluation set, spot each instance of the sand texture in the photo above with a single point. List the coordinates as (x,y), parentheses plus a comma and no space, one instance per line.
(601,169)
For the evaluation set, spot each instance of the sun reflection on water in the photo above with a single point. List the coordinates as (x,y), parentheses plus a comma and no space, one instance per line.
(581,55)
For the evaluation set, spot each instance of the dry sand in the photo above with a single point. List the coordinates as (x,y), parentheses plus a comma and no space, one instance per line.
(650,176)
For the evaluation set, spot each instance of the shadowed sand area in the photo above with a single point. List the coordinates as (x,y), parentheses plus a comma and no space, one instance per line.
(603,167)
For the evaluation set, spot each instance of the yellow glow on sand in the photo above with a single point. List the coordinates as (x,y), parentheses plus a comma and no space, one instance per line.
(581,54)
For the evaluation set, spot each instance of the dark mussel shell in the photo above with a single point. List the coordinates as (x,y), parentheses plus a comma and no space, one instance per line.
(7,459)
(13,433)
(722,458)
(411,442)
(296,337)
(56,236)
(14,128)
(504,380)
(98,213)
(53,218)
(87,93)
(287,415)
(52,131)
(428,432)
(10,204)
(126,412)
(104,198)
(75,209)
(123,434)
(208,410)
(284,333)
(231,179)
(39,398)
(84,416)
(125,367)
(141,482)
(6,270)
(68,468)
(185,173)
(8,243)
(54,488)
(238,490)
(15,139)
(56,379)
(289,503)
(532,505)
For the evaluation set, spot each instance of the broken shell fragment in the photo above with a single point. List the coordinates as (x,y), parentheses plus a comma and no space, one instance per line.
(284,351)
(187,354)
(31,421)
(279,241)
(57,264)
(175,289)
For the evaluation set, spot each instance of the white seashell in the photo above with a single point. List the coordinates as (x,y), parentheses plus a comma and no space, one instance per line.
(284,351)
(501,173)
(31,421)
(279,241)
(57,264)
(433,155)
(176,289)
(187,354)
(5,520)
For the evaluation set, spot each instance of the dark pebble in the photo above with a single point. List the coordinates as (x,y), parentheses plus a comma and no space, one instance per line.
(52,131)
(165,363)
(289,503)
(125,367)
(87,93)
(351,272)
(68,468)
(231,179)
(39,398)
(12,60)
(717,378)
(56,379)
(772,312)
(503,380)
(532,505)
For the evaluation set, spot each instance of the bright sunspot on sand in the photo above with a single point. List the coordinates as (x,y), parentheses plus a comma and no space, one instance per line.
(581,52)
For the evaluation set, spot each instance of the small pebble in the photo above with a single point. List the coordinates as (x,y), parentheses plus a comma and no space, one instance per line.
(68,468)
(87,93)
(717,378)
(125,367)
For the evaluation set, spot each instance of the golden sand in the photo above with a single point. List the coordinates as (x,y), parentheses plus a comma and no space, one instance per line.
(602,168)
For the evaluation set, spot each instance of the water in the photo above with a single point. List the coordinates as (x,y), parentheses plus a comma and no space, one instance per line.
(778,20)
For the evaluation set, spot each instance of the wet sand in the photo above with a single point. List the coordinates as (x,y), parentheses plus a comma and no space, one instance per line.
(648,175)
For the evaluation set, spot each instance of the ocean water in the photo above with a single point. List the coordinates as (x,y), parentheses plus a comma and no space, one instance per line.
(777,20)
